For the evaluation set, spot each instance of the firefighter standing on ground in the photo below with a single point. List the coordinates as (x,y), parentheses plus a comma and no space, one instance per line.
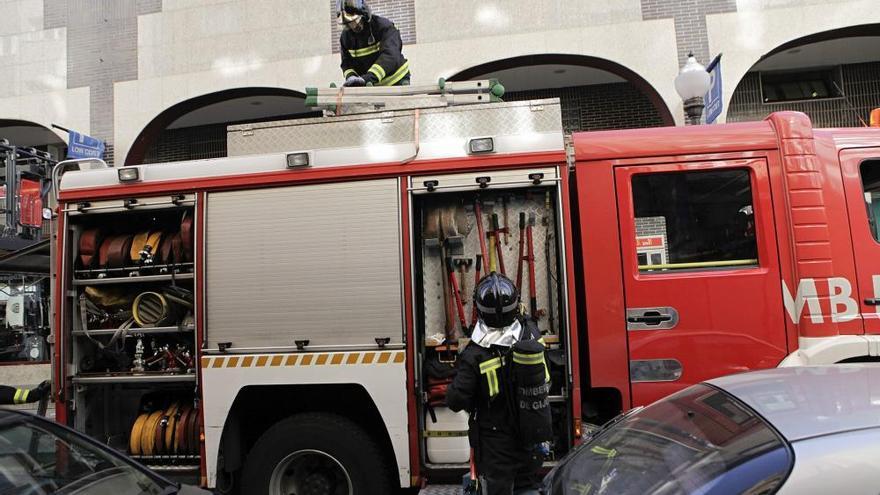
(12,395)
(504,458)
(370,47)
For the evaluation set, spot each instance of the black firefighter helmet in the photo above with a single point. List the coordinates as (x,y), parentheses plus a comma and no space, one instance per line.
(497,300)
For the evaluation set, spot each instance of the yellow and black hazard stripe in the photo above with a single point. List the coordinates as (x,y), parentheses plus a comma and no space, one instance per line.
(308,359)
(445,433)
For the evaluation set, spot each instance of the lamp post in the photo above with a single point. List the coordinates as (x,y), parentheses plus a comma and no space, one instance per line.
(691,83)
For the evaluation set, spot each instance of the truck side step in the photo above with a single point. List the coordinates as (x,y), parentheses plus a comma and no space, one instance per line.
(441,490)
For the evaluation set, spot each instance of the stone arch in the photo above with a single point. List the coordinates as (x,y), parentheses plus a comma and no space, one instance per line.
(29,134)
(844,54)
(218,109)
(611,81)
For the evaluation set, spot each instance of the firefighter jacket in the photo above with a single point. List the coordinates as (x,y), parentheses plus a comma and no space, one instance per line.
(375,53)
(483,388)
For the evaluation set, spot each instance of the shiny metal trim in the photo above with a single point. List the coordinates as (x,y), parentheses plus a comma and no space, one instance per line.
(402,263)
(562,265)
(654,370)
(203,297)
(491,185)
(306,350)
(669,311)
(190,377)
(58,171)
(119,204)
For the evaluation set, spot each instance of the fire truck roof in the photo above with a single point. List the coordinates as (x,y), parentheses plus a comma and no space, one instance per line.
(707,139)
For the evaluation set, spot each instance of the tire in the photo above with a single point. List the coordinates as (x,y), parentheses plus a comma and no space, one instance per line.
(316,454)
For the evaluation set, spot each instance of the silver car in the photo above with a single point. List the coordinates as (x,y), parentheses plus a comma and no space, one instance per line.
(807,430)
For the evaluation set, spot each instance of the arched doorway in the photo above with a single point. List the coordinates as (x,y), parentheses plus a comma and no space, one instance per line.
(594,93)
(196,128)
(27,134)
(832,76)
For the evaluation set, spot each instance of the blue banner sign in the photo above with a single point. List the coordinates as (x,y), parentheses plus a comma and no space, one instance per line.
(84,146)
(713,99)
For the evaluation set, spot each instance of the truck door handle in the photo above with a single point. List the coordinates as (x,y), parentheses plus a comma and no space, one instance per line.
(650,319)
(872,302)
(657,318)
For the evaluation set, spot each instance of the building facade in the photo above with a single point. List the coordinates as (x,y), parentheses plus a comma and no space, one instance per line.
(160,80)
(136,73)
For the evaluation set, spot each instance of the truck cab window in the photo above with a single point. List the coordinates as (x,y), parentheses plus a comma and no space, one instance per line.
(694,220)
(870,171)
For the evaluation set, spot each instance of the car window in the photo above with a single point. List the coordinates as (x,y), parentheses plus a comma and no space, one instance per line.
(37,457)
(700,440)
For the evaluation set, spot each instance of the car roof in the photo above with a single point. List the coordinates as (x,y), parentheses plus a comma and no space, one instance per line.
(808,401)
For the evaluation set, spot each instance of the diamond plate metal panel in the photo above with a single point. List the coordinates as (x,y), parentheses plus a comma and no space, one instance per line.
(533,200)
(436,125)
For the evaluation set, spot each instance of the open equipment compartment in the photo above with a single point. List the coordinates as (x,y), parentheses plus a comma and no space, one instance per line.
(519,206)
(131,348)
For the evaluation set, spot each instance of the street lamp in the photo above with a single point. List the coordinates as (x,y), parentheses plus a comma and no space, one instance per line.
(691,83)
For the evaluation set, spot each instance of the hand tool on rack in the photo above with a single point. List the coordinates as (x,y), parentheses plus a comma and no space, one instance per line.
(479,264)
(551,288)
(520,257)
(478,213)
(533,296)
(506,221)
(450,272)
(464,266)
(448,308)
(499,252)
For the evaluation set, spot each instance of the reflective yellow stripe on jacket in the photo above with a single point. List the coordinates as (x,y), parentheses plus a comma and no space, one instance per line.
(488,368)
(531,360)
(21,396)
(363,52)
(396,77)
(378,71)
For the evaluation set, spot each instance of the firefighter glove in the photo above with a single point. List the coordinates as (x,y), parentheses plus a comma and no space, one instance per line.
(371,79)
(354,81)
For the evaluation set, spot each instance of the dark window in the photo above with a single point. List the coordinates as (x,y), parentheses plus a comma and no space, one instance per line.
(700,440)
(800,85)
(870,171)
(705,219)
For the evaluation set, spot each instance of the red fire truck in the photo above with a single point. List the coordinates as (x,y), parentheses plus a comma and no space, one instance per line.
(287,319)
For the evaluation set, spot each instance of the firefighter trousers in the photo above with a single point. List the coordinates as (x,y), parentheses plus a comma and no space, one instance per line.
(503,465)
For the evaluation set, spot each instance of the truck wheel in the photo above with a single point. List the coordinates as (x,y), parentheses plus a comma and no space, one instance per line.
(315,454)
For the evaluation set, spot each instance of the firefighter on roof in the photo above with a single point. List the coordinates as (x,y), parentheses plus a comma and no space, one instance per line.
(502,381)
(370,47)
(12,395)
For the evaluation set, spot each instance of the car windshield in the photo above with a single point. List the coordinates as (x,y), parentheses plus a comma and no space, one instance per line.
(700,440)
(38,457)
